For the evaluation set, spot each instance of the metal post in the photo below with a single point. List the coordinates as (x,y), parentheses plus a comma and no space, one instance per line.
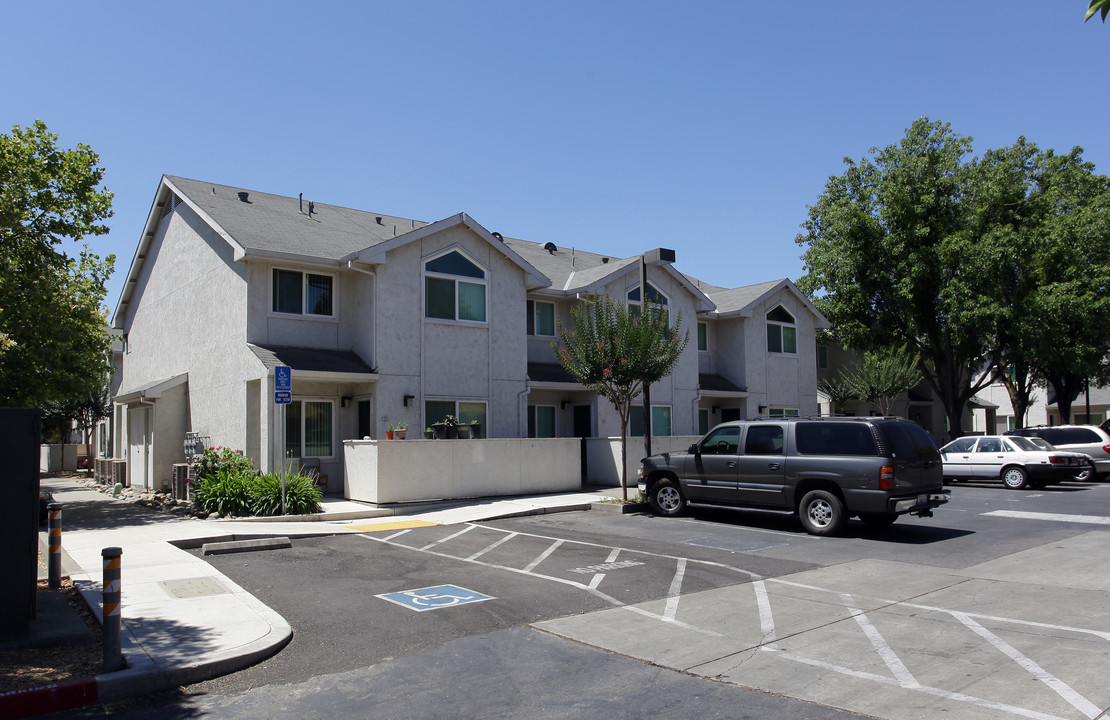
(281,444)
(113,650)
(54,561)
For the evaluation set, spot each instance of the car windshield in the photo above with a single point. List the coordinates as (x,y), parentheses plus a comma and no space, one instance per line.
(1026,443)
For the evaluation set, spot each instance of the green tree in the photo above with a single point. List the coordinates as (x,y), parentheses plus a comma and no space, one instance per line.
(1098,7)
(1040,265)
(53,343)
(882,245)
(883,376)
(615,352)
(838,391)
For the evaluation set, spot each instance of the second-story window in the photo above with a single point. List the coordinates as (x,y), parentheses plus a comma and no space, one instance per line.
(541,318)
(454,288)
(782,334)
(300,293)
(703,337)
(653,296)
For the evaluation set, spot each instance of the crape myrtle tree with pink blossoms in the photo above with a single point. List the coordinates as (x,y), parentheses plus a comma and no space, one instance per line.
(616,351)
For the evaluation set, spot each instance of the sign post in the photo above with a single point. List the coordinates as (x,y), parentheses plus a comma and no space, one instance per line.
(283,395)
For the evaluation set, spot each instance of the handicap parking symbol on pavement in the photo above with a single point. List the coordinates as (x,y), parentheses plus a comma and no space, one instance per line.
(433,598)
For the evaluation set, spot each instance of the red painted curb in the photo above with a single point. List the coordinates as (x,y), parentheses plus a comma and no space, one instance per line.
(48,698)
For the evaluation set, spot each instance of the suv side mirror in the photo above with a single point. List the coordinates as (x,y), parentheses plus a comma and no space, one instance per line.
(693,449)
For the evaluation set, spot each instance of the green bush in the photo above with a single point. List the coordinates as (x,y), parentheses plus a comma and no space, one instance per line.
(302,495)
(221,458)
(234,491)
(227,492)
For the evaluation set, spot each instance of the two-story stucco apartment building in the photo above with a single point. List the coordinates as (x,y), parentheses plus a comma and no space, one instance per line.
(386,320)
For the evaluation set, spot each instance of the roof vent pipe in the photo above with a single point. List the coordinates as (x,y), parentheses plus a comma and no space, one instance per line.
(243,196)
(300,201)
(379,219)
(311,207)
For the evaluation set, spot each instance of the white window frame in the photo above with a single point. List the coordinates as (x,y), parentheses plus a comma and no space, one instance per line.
(334,424)
(535,318)
(780,325)
(456,279)
(783,412)
(304,314)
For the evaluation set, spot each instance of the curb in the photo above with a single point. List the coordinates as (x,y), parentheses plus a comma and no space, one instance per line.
(54,697)
(622,508)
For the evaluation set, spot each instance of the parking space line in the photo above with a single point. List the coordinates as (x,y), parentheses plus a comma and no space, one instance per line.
(1057,517)
(543,556)
(766,619)
(674,592)
(1061,688)
(901,673)
(452,536)
(491,546)
(947,694)
(601,576)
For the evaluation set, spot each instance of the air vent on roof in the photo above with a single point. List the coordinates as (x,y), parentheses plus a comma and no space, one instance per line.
(378,219)
(604,261)
(499,236)
(311,208)
(550,247)
(243,196)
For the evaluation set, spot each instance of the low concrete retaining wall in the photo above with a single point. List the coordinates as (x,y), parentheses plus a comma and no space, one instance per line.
(603,456)
(59,458)
(394,471)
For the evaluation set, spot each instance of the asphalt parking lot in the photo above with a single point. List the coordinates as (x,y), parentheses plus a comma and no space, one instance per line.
(996,607)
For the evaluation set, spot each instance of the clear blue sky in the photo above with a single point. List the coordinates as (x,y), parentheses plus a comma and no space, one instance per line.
(614,127)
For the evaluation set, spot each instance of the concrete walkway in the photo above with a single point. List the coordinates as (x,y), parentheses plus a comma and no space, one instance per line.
(183,621)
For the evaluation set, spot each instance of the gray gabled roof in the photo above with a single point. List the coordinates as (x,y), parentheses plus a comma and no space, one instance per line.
(265,224)
(741,301)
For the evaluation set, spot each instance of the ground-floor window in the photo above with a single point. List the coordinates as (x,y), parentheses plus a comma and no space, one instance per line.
(703,421)
(660,421)
(541,421)
(466,411)
(309,428)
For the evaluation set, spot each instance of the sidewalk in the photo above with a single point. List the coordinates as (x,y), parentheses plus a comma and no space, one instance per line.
(183,621)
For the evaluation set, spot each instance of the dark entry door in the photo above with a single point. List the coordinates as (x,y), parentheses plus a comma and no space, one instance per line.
(582,421)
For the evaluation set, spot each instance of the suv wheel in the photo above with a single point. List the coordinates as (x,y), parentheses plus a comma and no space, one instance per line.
(1014,478)
(666,498)
(821,513)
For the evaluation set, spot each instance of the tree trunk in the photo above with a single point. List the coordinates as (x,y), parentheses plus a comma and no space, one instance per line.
(1067,388)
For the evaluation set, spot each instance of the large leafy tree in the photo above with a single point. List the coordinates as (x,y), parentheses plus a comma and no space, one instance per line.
(882,248)
(1040,266)
(615,353)
(53,343)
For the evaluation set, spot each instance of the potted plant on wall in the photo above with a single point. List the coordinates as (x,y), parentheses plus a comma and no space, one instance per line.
(475,430)
(429,433)
(447,428)
(389,432)
(401,430)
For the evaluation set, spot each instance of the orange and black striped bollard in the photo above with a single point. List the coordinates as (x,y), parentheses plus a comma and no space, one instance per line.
(54,559)
(113,651)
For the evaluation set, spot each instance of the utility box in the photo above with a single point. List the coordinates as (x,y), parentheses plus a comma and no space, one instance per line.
(20,435)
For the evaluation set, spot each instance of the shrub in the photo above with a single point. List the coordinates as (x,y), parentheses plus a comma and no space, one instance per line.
(302,495)
(219,458)
(233,491)
(227,492)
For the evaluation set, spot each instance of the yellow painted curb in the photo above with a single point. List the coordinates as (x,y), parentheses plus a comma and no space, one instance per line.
(401,525)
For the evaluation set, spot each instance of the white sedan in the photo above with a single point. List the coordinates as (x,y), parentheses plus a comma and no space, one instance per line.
(1014,460)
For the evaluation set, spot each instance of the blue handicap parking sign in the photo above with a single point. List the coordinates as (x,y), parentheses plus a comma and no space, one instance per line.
(433,598)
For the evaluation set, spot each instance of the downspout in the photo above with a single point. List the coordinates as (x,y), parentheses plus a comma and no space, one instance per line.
(522,410)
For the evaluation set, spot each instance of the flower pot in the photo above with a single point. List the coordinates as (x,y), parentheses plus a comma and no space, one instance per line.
(452,432)
(440,431)
(388,434)
(462,431)
(475,431)
(400,434)
(428,434)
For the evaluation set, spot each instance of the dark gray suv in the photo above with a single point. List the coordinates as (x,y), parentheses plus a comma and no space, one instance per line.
(824,469)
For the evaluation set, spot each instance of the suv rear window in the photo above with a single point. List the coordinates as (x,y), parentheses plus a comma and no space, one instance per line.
(1070,436)
(908,440)
(832,438)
